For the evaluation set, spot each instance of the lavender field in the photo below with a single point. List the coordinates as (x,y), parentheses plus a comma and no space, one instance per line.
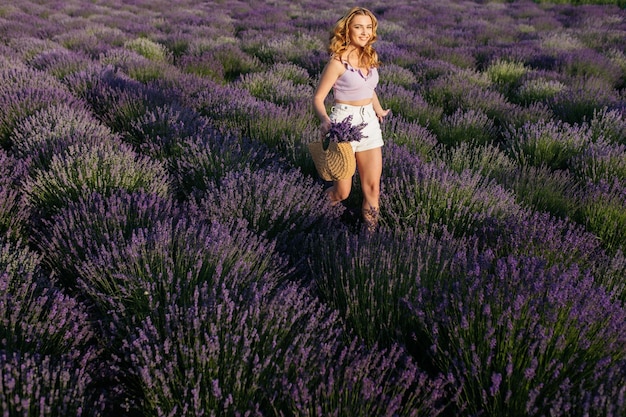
(166,248)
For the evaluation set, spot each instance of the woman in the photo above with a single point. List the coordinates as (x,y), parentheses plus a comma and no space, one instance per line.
(352,74)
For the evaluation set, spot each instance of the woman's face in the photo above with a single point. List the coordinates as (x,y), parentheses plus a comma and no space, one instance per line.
(360,30)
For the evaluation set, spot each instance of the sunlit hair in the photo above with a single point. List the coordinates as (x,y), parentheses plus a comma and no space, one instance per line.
(340,37)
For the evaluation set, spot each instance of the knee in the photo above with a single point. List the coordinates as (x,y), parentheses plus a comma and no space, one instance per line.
(342,194)
(372,189)
(337,194)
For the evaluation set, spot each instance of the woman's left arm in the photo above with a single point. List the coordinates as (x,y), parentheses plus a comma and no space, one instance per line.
(380,112)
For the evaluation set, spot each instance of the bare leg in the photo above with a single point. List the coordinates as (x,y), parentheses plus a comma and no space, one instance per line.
(370,166)
(339,191)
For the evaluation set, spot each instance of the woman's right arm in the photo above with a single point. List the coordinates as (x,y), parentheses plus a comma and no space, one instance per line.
(334,68)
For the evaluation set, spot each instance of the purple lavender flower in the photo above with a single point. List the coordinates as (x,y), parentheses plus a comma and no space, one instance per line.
(345,131)
(547,142)
(416,138)
(609,124)
(467,126)
(279,350)
(435,197)
(601,161)
(162,130)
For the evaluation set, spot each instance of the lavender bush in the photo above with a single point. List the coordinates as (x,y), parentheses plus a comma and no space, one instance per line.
(236,354)
(165,263)
(467,126)
(228,105)
(137,66)
(506,75)
(397,75)
(36,316)
(487,160)
(602,211)
(103,168)
(167,266)
(556,241)
(23,92)
(544,189)
(561,241)
(204,160)
(418,139)
(558,321)
(59,62)
(410,104)
(51,130)
(601,161)
(88,41)
(23,48)
(116,99)
(13,213)
(360,382)
(281,204)
(223,62)
(203,64)
(160,132)
(149,49)
(48,361)
(282,84)
(279,127)
(82,228)
(35,384)
(582,98)
(368,278)
(539,89)
(609,124)
(451,89)
(430,196)
(271,47)
(587,63)
(548,143)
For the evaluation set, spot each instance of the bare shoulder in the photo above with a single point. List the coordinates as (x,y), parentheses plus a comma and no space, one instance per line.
(335,65)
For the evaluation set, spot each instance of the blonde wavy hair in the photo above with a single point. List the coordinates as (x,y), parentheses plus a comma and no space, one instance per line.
(340,37)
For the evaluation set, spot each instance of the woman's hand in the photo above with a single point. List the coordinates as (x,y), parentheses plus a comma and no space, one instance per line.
(325,126)
(382,114)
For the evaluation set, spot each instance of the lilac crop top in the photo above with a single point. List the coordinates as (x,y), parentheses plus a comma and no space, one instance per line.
(352,85)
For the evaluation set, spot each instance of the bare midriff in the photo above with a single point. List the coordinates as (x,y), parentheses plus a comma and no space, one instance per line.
(357,103)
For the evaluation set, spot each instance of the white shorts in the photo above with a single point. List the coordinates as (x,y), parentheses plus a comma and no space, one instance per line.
(372,135)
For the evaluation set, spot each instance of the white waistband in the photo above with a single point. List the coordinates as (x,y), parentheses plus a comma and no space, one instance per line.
(343,106)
